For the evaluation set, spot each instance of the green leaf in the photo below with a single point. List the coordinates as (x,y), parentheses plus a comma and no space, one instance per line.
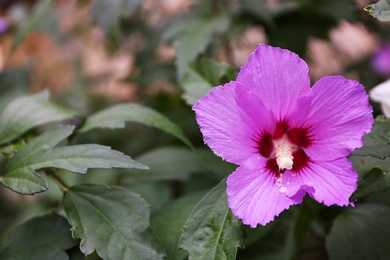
(108,13)
(155,193)
(377,143)
(212,231)
(311,23)
(44,237)
(112,221)
(374,181)
(14,83)
(364,164)
(380,10)
(37,14)
(335,9)
(27,112)
(167,163)
(169,221)
(202,75)
(116,116)
(20,174)
(297,232)
(194,35)
(174,163)
(360,233)
(261,10)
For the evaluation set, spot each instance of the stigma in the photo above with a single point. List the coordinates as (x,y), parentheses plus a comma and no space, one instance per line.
(284,157)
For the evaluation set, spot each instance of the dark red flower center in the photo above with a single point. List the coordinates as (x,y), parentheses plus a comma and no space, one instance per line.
(283,148)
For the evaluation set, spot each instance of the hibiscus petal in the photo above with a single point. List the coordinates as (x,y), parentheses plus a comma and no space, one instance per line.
(231,120)
(339,117)
(330,182)
(253,195)
(280,78)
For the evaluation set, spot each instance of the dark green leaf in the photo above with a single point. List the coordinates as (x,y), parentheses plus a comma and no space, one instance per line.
(193,37)
(202,75)
(75,253)
(174,163)
(167,163)
(296,232)
(169,221)
(27,112)
(360,233)
(261,10)
(255,234)
(155,193)
(310,25)
(380,10)
(112,221)
(37,14)
(212,231)
(335,9)
(108,13)
(364,164)
(116,116)
(374,181)
(40,238)
(20,174)
(377,143)
(14,83)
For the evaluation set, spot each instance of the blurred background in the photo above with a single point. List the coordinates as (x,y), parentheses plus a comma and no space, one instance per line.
(92,54)
(115,53)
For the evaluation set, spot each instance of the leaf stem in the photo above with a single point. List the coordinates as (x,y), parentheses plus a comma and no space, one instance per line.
(57,179)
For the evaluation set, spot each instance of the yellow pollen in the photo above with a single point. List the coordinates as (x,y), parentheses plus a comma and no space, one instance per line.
(284,157)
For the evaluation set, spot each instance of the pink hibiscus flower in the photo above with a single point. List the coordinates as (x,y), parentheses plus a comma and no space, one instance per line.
(287,138)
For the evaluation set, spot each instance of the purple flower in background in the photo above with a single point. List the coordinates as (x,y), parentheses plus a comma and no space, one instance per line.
(381,60)
(287,138)
(4,25)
